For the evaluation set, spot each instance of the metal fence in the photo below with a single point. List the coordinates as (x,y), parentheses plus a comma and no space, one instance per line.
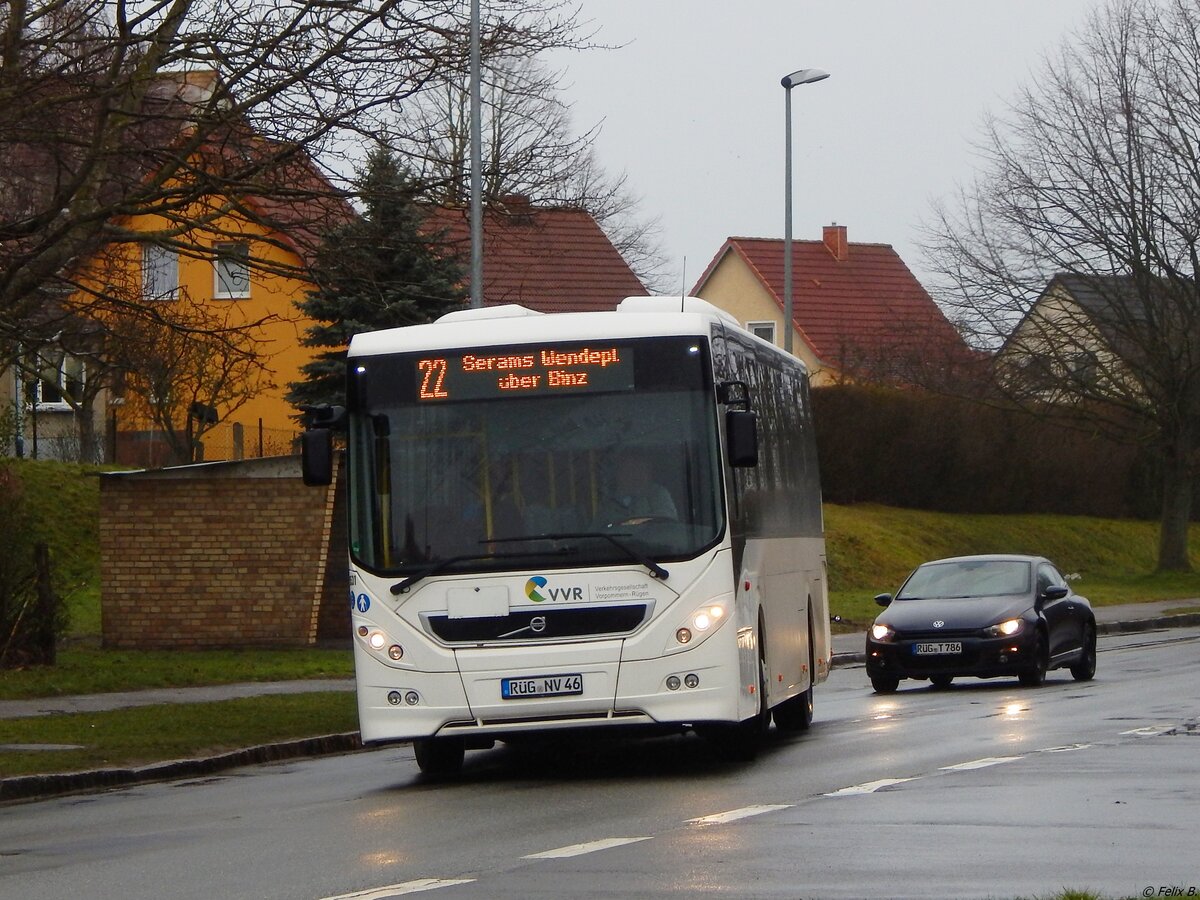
(233,440)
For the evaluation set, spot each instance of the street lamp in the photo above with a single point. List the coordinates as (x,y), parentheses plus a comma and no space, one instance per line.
(802,76)
(476,163)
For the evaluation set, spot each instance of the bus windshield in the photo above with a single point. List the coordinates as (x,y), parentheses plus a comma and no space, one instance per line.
(546,456)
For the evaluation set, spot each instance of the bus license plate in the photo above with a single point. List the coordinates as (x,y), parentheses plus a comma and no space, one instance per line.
(937,648)
(541,686)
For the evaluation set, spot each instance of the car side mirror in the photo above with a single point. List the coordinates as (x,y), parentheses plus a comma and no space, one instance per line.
(883,599)
(1056,592)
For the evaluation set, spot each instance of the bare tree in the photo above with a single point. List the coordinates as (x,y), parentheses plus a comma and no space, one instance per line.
(188,112)
(1093,175)
(531,148)
(186,359)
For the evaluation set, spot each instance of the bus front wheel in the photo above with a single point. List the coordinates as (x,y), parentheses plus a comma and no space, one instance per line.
(439,757)
(741,742)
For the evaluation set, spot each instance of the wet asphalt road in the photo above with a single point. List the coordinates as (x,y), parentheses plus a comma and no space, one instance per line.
(983,790)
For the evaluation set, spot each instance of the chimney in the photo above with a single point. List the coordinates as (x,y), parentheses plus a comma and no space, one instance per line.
(834,237)
(517,206)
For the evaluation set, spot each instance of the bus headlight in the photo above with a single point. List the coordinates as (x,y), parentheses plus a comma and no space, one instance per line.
(698,625)
(708,617)
(380,644)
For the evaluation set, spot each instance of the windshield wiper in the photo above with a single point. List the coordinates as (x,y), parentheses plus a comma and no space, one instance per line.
(440,565)
(655,569)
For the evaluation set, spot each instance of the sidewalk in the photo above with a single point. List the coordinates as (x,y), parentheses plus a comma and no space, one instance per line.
(88,703)
(848,649)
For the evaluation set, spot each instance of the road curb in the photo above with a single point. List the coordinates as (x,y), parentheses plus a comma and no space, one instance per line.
(1183,620)
(39,787)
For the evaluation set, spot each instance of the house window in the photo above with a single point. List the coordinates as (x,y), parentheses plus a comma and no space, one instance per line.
(1084,368)
(764,330)
(231,269)
(59,382)
(160,272)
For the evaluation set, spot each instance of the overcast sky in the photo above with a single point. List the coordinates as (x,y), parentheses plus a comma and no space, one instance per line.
(693,110)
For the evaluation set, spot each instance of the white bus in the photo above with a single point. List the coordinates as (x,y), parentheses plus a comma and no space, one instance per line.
(509,575)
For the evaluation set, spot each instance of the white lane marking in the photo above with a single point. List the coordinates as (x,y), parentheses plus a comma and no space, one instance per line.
(980,763)
(580,849)
(1149,731)
(407,887)
(1066,748)
(734,814)
(869,787)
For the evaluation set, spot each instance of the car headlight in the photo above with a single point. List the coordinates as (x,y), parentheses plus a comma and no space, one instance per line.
(1004,629)
(882,632)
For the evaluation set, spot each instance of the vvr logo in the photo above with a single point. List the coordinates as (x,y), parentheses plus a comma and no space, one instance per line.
(537,583)
(531,588)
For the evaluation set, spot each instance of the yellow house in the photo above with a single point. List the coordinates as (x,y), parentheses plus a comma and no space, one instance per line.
(239,276)
(189,327)
(858,312)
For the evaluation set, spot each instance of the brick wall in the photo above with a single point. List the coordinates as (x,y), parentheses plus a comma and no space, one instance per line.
(232,554)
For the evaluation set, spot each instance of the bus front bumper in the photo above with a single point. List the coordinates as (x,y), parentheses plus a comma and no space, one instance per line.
(519,690)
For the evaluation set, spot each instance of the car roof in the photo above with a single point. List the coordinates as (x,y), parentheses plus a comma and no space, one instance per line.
(989,557)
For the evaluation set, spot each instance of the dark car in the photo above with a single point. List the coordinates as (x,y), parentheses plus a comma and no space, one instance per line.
(982,616)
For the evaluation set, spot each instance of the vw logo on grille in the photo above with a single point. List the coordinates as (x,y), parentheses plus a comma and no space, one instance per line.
(938,624)
(537,624)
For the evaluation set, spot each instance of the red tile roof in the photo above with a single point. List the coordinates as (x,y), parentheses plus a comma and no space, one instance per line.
(552,259)
(855,311)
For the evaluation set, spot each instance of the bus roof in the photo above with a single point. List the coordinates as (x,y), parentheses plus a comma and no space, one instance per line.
(511,324)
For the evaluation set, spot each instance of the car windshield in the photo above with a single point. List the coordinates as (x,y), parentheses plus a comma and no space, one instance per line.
(967,578)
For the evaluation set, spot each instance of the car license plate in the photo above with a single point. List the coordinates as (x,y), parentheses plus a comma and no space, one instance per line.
(937,648)
(541,686)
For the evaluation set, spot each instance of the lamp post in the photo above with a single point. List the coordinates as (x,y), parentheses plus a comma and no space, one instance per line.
(802,76)
(476,164)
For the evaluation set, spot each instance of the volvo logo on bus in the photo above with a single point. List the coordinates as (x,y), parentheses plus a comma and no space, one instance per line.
(537,624)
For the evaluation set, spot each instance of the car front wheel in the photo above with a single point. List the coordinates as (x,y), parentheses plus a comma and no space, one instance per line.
(884,684)
(1035,674)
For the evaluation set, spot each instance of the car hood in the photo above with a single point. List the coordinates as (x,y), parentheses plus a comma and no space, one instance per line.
(956,614)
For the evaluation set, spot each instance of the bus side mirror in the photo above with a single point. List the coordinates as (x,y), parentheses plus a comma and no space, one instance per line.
(741,438)
(316,457)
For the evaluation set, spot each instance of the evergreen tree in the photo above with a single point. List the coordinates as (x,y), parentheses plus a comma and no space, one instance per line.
(381,271)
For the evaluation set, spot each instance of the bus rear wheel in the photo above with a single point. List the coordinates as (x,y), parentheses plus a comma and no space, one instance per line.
(796,714)
(440,757)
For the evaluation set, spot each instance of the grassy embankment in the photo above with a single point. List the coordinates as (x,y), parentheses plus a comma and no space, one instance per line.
(870,550)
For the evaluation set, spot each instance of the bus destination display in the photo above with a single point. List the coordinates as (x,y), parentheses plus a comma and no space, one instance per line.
(527,372)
